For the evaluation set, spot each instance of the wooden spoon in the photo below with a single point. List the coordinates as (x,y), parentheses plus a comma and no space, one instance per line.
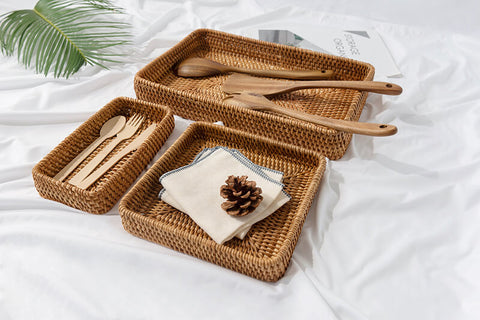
(127,132)
(109,129)
(258,102)
(201,67)
(238,83)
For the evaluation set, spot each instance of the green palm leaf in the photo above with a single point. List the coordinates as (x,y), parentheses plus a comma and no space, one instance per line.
(63,35)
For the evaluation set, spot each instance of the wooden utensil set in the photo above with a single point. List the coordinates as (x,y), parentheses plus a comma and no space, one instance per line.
(249,92)
(243,91)
(119,130)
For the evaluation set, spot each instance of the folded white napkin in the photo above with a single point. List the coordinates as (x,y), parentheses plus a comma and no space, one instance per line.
(195,190)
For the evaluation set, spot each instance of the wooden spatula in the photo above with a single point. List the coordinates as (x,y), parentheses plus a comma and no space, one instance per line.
(238,83)
(258,102)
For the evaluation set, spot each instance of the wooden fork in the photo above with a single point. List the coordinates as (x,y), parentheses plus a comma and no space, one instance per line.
(127,132)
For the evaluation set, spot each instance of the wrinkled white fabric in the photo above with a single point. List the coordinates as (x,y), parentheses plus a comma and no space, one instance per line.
(393,230)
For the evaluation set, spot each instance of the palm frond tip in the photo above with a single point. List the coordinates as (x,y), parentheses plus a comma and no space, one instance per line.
(63,35)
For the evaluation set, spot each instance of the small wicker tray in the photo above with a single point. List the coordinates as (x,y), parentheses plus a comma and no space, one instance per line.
(106,191)
(202,98)
(267,249)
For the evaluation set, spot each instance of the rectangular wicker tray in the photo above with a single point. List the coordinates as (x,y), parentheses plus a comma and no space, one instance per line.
(267,249)
(202,98)
(101,196)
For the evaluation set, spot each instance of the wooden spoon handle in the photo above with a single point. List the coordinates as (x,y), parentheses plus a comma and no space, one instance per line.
(85,183)
(370,86)
(78,159)
(288,74)
(365,128)
(92,164)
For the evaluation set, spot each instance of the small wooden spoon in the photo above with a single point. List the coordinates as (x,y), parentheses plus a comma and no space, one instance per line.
(258,102)
(201,67)
(238,83)
(109,129)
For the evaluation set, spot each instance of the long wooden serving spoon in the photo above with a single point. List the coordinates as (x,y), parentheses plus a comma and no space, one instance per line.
(238,83)
(108,130)
(201,67)
(258,102)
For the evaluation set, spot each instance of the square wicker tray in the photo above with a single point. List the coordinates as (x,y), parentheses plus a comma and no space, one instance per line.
(106,191)
(201,98)
(268,247)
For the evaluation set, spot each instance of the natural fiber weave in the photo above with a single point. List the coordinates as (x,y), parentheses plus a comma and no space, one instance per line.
(101,196)
(201,98)
(267,249)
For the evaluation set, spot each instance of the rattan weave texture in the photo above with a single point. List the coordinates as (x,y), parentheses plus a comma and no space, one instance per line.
(267,249)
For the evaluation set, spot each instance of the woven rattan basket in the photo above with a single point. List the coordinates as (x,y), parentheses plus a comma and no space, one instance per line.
(101,196)
(201,98)
(267,249)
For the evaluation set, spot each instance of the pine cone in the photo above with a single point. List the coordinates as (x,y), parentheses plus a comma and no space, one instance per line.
(242,196)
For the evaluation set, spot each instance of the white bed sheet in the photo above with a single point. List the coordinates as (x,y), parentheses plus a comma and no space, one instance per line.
(392,234)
